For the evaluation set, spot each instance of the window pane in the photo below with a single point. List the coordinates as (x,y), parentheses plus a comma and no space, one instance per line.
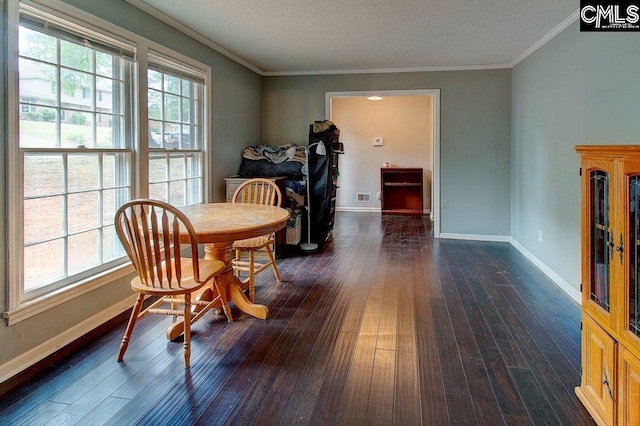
(43,174)
(158,191)
(108,131)
(43,264)
(171,84)
(37,82)
(111,247)
(171,107)
(84,251)
(189,140)
(187,88)
(83,210)
(76,56)
(158,168)
(194,191)
(176,167)
(155,80)
(155,134)
(107,93)
(109,170)
(38,127)
(77,129)
(83,172)
(112,199)
(177,193)
(193,165)
(77,89)
(155,105)
(43,219)
(186,111)
(37,45)
(105,64)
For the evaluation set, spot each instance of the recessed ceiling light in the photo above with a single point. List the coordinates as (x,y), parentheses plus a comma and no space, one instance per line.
(374,98)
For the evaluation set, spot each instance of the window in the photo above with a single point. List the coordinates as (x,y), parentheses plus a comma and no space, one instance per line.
(175,101)
(75,172)
(74,155)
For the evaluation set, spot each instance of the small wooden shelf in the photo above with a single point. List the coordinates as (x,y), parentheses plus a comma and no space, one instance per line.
(401,190)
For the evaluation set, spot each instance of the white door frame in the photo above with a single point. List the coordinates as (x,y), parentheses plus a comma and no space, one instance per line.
(435,157)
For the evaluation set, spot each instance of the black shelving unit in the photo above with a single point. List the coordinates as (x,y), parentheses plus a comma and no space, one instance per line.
(323,178)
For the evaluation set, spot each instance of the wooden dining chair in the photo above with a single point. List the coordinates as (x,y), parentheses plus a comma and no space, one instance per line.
(150,233)
(256,191)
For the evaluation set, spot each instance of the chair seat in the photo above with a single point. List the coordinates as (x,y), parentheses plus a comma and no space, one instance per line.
(253,243)
(208,268)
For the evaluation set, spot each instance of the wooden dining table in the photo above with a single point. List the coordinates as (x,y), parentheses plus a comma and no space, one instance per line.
(217,226)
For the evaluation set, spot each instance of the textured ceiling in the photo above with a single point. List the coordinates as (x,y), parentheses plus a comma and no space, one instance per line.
(291,36)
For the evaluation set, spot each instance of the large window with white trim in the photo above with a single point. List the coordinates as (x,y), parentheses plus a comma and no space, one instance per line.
(76,151)
(77,148)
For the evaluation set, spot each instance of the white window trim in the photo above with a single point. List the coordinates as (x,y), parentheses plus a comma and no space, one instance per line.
(16,310)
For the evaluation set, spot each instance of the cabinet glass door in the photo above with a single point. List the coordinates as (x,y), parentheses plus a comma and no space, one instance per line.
(633,320)
(601,238)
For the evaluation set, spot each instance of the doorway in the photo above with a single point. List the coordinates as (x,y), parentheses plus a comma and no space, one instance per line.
(433,116)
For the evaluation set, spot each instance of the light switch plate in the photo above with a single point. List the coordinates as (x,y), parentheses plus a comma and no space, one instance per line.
(377,141)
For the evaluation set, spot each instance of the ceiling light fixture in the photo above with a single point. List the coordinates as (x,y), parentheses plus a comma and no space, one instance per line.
(374,98)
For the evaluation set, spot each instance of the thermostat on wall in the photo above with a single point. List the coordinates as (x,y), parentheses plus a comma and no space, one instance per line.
(377,141)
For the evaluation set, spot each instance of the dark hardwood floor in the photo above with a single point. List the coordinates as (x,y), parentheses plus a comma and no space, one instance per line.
(384,326)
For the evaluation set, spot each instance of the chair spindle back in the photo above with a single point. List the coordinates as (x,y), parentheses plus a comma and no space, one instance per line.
(258,191)
(150,233)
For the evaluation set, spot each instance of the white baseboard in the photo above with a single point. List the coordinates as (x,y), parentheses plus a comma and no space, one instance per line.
(475,237)
(40,352)
(557,279)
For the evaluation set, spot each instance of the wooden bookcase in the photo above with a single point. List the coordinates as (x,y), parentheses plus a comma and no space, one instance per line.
(610,383)
(401,190)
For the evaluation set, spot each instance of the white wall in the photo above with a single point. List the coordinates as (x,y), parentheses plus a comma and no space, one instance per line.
(404,123)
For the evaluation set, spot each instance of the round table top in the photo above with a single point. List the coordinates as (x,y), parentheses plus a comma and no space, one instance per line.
(228,222)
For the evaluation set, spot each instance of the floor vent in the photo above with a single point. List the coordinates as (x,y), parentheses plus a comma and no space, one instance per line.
(363,197)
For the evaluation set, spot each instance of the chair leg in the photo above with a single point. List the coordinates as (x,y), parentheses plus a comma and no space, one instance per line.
(252,276)
(238,258)
(132,322)
(223,299)
(276,272)
(187,329)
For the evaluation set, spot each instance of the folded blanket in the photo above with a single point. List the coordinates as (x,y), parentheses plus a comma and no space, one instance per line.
(275,154)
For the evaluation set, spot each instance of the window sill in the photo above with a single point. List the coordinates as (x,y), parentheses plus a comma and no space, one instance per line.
(53,299)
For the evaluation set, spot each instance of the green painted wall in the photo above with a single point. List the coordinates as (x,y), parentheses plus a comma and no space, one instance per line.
(235,124)
(475,134)
(578,89)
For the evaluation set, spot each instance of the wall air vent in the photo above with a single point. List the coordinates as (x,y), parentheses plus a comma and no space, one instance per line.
(363,197)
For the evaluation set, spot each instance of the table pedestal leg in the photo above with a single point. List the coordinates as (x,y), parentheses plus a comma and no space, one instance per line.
(232,285)
(230,289)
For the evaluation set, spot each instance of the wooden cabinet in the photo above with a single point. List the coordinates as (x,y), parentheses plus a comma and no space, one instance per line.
(610,384)
(401,190)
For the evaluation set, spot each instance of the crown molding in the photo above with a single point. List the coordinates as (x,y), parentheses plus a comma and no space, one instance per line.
(544,40)
(387,70)
(191,33)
